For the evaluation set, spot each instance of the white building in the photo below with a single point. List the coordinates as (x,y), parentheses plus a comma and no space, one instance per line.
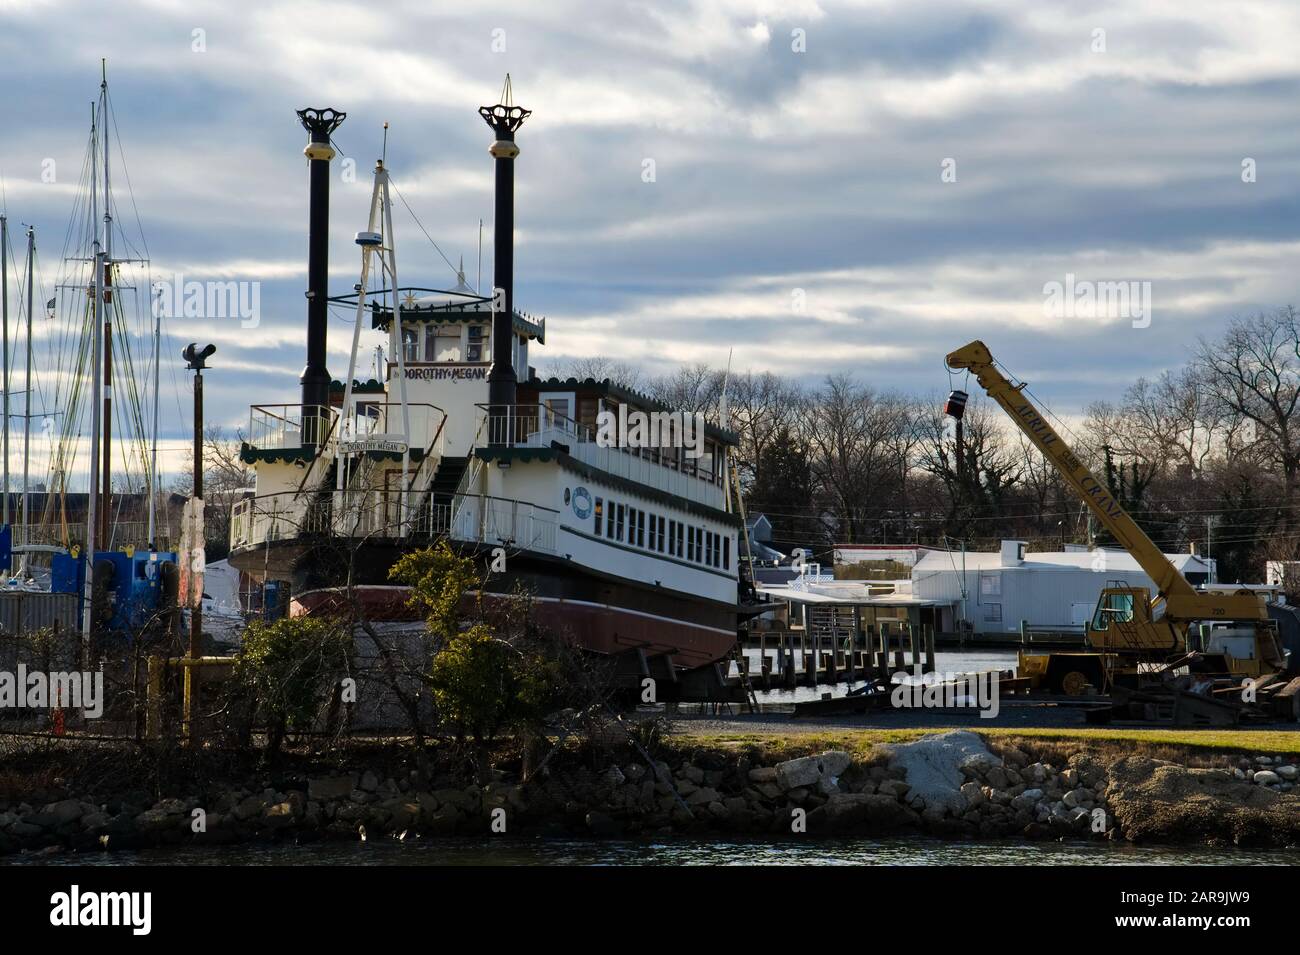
(1283,573)
(905,554)
(994,592)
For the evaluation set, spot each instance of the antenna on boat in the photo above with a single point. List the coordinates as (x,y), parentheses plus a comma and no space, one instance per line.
(384,243)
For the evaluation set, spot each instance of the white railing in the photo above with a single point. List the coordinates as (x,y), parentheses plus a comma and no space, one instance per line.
(379,515)
(289,426)
(667,469)
(271,517)
(502,522)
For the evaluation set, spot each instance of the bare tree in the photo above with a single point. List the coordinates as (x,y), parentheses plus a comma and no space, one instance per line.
(1253,373)
(694,388)
(226,477)
(762,407)
(981,477)
(598,368)
(853,436)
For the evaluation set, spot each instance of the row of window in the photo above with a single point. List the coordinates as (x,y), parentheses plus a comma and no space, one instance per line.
(626,524)
(443,343)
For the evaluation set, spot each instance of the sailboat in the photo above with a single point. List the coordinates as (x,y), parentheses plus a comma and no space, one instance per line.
(99,324)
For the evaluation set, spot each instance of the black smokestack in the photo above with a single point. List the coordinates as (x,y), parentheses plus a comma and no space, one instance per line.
(504,118)
(319,123)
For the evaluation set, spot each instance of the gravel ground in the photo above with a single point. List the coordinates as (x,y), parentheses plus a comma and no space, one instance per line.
(1011,716)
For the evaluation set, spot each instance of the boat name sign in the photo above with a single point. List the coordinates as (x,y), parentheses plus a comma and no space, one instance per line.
(388,443)
(448,373)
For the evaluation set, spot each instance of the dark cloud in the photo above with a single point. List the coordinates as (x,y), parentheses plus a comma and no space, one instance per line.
(775,171)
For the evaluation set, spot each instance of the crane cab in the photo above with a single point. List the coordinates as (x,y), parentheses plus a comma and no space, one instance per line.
(1123,623)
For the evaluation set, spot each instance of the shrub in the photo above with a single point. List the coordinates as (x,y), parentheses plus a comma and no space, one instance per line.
(288,667)
(482,685)
(439,580)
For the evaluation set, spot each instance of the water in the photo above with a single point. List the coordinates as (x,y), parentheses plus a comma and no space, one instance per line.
(544,851)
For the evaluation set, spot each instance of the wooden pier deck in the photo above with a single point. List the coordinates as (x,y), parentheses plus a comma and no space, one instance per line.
(795,657)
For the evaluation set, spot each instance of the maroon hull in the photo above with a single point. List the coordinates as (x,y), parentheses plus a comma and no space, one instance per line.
(600,627)
(608,629)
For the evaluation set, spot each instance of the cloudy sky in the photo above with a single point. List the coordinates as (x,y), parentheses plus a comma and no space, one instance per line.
(837,186)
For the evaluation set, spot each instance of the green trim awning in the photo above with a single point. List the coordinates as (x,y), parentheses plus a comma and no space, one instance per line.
(251,455)
(368,387)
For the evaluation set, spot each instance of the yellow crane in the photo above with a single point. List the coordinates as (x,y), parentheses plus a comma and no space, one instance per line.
(1131,625)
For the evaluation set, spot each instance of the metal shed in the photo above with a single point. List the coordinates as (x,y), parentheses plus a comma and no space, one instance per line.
(1056,591)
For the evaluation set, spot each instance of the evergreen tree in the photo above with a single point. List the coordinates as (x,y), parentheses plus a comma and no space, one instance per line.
(783,492)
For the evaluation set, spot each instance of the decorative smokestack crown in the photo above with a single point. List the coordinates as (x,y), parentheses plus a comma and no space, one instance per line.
(319,123)
(504,118)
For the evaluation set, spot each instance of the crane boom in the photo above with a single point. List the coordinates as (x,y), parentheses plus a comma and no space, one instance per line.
(1182,601)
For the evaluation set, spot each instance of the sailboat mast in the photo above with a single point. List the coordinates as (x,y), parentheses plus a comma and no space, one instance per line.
(106,486)
(27,385)
(153,449)
(97,292)
(4,308)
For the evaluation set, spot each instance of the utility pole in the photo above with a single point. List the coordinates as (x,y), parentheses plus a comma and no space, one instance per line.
(964,615)
(197,361)
(1210,521)
(192,573)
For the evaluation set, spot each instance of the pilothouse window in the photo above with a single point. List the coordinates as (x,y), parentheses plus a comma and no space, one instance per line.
(476,336)
(448,344)
(558,414)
